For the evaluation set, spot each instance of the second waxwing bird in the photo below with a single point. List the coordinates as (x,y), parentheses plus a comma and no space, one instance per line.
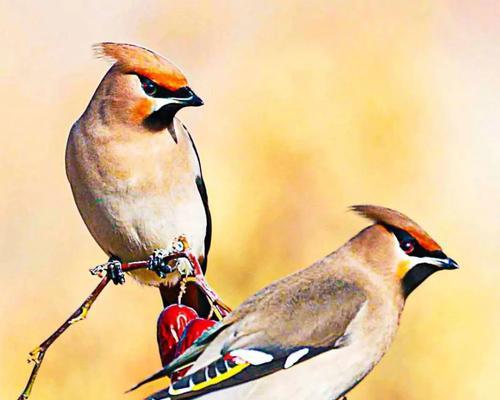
(133,166)
(317,333)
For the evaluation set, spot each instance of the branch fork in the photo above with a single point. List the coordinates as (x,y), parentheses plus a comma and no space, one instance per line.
(178,250)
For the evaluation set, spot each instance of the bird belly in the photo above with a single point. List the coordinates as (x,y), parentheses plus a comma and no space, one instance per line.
(132,227)
(137,196)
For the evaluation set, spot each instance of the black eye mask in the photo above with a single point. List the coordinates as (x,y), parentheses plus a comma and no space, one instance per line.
(162,118)
(404,238)
(154,90)
(420,272)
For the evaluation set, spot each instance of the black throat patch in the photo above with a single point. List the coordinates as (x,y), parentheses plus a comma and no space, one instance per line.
(415,276)
(161,120)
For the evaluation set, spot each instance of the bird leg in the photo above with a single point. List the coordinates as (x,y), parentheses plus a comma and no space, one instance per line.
(158,264)
(160,260)
(113,269)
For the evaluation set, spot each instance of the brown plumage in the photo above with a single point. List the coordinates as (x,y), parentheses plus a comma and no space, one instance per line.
(139,60)
(316,333)
(133,167)
(394,218)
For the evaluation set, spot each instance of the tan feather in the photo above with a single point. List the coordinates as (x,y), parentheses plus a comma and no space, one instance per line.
(387,216)
(130,58)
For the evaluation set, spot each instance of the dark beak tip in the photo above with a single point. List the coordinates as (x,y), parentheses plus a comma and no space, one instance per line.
(452,264)
(195,100)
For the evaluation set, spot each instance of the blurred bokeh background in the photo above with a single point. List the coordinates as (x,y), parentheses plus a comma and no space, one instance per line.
(311,106)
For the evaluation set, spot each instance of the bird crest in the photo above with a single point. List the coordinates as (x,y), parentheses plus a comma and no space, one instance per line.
(134,59)
(386,216)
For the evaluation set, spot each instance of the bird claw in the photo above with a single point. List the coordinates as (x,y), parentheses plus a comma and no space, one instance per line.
(157,263)
(113,269)
(115,272)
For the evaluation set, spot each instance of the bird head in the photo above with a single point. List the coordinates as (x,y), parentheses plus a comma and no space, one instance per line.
(417,255)
(141,88)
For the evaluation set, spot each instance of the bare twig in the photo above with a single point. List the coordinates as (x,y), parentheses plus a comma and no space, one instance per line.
(36,356)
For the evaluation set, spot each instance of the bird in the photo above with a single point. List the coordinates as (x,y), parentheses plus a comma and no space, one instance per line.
(316,333)
(134,170)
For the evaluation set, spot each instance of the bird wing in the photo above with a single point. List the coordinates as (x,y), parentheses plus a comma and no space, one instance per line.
(202,190)
(200,184)
(285,324)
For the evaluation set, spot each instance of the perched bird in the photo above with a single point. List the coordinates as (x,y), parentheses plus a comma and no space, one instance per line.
(317,333)
(134,169)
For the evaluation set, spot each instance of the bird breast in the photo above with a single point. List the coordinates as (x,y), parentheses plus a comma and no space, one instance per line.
(136,192)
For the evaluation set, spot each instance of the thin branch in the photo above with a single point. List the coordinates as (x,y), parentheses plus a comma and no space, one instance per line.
(36,356)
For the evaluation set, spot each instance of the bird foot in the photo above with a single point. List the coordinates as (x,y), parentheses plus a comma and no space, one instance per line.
(161,261)
(157,263)
(113,269)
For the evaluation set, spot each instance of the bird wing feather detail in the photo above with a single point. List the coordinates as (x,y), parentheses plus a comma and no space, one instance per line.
(234,369)
(255,345)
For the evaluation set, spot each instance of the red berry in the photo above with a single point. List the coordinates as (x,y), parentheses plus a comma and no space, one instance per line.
(193,331)
(171,324)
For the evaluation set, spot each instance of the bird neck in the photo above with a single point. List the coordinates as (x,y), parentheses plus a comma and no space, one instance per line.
(372,258)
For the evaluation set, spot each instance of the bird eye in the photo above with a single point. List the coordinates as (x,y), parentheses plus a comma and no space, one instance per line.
(408,246)
(149,87)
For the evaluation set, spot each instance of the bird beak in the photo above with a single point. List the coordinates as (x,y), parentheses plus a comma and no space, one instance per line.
(184,97)
(191,99)
(440,262)
(448,263)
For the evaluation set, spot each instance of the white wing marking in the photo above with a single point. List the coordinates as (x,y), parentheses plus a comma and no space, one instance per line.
(293,358)
(254,357)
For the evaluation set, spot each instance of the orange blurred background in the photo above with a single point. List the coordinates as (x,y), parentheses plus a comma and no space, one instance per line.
(311,106)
